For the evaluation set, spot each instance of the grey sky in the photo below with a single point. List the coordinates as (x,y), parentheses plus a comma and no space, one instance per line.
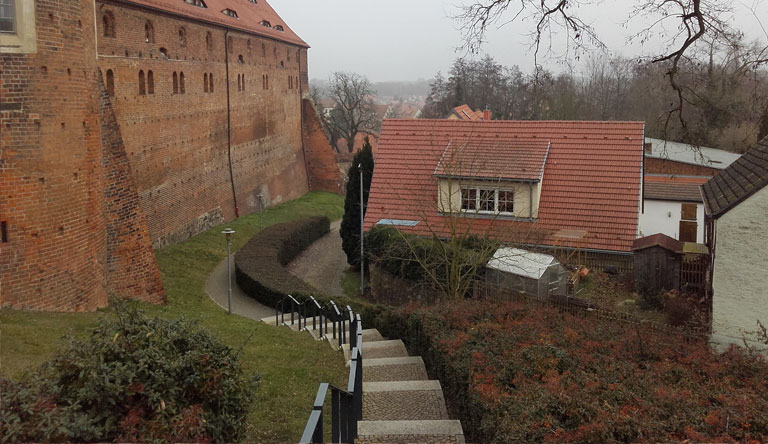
(411,39)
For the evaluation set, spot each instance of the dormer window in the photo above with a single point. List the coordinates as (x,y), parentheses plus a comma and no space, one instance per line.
(279,28)
(253,1)
(230,12)
(265,23)
(198,3)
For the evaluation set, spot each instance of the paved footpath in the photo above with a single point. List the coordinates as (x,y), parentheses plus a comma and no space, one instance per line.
(321,265)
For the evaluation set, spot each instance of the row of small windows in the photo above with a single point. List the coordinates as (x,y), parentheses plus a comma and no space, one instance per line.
(149,37)
(147,82)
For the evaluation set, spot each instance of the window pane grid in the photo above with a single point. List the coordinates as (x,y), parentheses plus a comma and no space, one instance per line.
(487,200)
(7,16)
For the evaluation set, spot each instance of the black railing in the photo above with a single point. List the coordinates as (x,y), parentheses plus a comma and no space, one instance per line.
(346,405)
(301,312)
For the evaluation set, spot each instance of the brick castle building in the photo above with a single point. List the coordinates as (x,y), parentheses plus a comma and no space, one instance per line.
(128,125)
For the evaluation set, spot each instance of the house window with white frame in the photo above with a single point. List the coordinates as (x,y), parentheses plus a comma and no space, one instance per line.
(487,200)
(7,16)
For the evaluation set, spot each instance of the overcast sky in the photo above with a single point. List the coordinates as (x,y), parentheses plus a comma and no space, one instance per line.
(412,39)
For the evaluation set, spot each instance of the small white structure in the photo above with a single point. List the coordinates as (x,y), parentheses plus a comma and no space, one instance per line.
(672,206)
(534,274)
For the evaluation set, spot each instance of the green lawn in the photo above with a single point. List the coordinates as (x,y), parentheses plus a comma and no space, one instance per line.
(350,283)
(291,364)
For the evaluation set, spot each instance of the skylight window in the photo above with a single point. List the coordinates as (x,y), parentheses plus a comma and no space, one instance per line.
(198,3)
(266,23)
(230,12)
(279,28)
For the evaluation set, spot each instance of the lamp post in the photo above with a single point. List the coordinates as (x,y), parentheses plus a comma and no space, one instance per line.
(229,232)
(261,208)
(362,234)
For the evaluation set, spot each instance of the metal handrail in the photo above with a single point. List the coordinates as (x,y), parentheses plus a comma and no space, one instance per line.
(346,405)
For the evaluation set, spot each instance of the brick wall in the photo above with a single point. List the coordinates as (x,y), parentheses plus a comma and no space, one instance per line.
(323,172)
(178,143)
(55,254)
(666,166)
(132,272)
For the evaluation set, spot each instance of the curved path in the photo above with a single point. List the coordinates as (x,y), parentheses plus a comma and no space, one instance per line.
(321,265)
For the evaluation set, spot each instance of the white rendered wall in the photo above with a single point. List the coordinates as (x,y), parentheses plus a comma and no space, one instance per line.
(740,281)
(664,217)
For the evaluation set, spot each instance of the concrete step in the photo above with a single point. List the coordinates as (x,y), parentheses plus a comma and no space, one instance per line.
(409,432)
(380,349)
(393,369)
(403,400)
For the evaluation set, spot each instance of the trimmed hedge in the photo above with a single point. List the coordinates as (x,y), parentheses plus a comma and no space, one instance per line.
(260,266)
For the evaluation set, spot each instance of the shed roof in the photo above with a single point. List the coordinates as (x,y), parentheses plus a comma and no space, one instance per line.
(591,182)
(746,176)
(250,15)
(660,240)
(521,262)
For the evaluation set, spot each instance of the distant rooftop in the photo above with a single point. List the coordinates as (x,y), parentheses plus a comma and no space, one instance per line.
(682,152)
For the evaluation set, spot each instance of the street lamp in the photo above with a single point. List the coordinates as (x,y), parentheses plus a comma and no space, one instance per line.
(362,234)
(229,232)
(261,208)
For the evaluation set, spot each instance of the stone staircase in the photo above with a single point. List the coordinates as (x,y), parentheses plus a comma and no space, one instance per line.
(401,405)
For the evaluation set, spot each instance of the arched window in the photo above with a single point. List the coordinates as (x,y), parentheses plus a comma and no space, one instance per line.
(142,85)
(150,82)
(267,81)
(163,53)
(182,88)
(210,82)
(108,22)
(175,83)
(182,37)
(238,82)
(243,80)
(288,54)
(249,47)
(290,82)
(265,23)
(279,28)
(263,50)
(209,41)
(110,82)
(149,32)
(282,64)
(205,82)
(240,59)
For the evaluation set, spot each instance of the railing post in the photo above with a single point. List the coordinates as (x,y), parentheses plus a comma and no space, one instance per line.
(346,414)
(335,410)
(293,308)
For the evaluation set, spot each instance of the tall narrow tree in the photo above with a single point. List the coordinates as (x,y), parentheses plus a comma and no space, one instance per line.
(350,224)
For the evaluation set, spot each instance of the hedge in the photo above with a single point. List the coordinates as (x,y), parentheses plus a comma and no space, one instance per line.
(260,266)
(517,373)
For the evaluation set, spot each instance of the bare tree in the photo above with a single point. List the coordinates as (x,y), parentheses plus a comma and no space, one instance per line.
(694,23)
(353,112)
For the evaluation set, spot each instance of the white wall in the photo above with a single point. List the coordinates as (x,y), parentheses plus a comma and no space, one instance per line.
(664,217)
(740,281)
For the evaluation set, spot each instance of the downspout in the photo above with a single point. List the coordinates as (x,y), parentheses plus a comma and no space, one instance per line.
(301,117)
(229,124)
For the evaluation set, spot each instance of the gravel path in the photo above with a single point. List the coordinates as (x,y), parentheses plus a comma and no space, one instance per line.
(322,265)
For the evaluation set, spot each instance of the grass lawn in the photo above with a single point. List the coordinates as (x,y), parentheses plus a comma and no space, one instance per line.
(291,364)
(350,283)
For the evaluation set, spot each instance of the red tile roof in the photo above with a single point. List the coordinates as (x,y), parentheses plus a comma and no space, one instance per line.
(591,183)
(489,158)
(673,188)
(249,16)
(464,112)
(743,178)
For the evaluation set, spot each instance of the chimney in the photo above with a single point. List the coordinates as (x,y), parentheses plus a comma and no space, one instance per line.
(487,114)
(648,147)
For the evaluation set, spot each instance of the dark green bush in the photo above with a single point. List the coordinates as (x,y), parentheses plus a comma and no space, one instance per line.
(134,379)
(260,266)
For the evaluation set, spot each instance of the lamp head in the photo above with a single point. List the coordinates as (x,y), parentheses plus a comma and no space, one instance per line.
(228,232)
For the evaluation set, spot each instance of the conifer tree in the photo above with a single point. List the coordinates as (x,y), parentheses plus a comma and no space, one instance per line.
(350,224)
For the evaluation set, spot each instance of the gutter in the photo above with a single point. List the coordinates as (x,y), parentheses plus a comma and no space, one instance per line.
(229,124)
